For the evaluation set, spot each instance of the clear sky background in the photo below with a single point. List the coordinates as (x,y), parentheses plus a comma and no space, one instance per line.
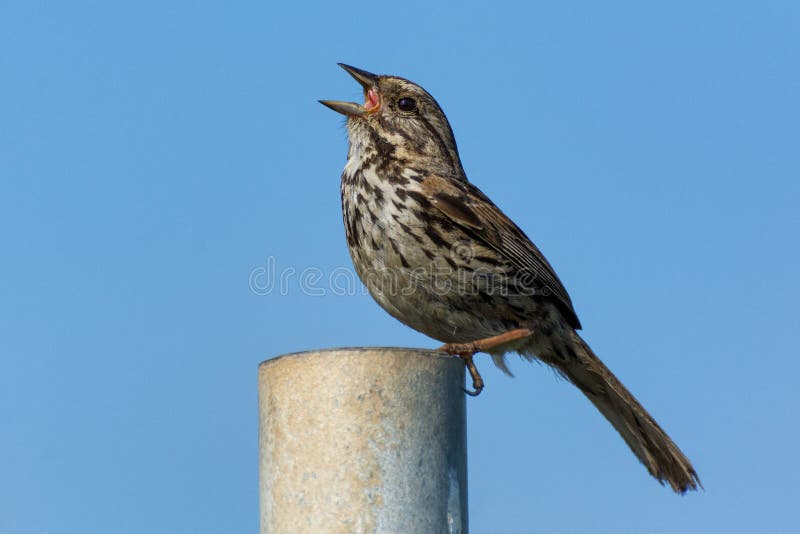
(154,154)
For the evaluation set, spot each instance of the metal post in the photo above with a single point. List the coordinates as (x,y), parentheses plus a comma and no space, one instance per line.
(362,440)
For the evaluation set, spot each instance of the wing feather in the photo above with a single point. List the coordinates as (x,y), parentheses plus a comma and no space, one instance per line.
(466,205)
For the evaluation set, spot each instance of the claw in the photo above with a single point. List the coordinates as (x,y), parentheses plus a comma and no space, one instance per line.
(477,380)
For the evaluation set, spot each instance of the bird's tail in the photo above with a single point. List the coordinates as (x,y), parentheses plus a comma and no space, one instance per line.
(647,440)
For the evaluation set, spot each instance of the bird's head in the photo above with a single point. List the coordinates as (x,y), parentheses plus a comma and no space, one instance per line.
(402,116)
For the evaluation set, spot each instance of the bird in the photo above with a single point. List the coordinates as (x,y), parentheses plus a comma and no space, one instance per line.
(438,255)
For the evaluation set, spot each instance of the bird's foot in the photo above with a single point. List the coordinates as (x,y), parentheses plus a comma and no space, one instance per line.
(466,351)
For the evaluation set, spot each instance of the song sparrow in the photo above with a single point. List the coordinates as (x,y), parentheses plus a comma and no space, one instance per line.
(438,255)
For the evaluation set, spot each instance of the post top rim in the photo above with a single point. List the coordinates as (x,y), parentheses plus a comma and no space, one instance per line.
(428,353)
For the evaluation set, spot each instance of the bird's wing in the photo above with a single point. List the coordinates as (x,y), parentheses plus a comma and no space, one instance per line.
(469,207)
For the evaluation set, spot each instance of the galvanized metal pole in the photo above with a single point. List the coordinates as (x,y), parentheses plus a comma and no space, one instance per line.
(362,440)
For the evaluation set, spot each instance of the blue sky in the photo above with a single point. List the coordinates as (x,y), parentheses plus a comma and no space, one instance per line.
(154,154)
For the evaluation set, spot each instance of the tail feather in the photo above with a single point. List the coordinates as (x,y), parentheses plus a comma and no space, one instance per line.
(644,436)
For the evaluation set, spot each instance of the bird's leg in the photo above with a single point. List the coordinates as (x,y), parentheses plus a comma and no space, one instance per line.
(486,344)
(467,350)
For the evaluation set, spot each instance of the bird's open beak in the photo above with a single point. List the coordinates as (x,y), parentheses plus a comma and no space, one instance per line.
(372,102)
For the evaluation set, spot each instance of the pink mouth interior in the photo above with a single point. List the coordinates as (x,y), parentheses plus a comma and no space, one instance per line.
(372,100)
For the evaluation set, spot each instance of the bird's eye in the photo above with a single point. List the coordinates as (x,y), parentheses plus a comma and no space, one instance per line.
(407,104)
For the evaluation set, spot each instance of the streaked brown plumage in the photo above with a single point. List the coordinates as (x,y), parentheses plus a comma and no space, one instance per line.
(439,256)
